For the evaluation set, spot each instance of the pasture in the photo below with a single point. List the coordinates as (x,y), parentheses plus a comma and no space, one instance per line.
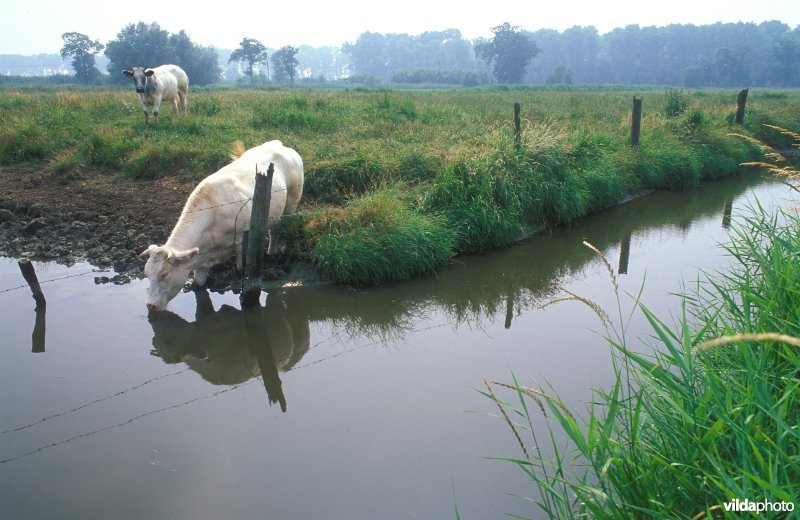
(419,175)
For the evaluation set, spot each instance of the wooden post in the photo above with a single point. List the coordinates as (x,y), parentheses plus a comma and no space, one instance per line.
(251,288)
(636,121)
(741,100)
(517,129)
(28,272)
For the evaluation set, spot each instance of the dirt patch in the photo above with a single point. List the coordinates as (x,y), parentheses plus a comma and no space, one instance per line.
(99,219)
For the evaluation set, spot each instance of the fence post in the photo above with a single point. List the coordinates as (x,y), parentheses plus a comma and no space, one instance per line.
(517,129)
(636,121)
(254,259)
(741,101)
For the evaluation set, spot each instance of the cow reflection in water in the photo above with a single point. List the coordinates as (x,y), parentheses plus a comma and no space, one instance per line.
(229,346)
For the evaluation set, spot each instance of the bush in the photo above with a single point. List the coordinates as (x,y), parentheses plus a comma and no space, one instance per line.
(676,102)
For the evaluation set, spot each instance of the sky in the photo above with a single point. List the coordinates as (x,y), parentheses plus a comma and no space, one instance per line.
(30,27)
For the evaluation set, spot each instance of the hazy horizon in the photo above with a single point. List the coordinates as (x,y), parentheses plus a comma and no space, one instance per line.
(35,27)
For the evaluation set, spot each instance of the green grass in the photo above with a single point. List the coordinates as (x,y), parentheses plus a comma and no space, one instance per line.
(453,149)
(696,424)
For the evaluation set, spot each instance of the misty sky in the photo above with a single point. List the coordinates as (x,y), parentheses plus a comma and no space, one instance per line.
(35,26)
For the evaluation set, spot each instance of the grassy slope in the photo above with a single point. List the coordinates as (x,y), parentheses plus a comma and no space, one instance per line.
(445,159)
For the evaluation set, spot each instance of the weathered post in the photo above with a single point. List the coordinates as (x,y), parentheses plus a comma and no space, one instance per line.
(636,121)
(741,101)
(28,272)
(517,129)
(254,259)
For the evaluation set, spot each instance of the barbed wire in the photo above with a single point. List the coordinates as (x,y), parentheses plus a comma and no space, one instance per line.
(52,280)
(178,405)
(96,401)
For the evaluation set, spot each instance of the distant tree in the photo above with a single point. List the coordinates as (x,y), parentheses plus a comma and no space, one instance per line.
(785,58)
(509,50)
(730,68)
(284,63)
(368,54)
(251,52)
(560,75)
(200,63)
(144,45)
(139,45)
(82,49)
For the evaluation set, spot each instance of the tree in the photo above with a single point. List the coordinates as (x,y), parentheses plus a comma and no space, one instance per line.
(82,50)
(252,52)
(284,63)
(140,45)
(368,55)
(150,46)
(560,75)
(510,50)
(200,63)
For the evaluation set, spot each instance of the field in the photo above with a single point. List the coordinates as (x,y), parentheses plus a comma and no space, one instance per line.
(399,182)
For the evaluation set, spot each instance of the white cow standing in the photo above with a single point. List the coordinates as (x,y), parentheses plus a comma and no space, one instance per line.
(209,230)
(163,83)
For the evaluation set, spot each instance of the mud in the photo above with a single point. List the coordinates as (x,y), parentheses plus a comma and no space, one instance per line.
(103,220)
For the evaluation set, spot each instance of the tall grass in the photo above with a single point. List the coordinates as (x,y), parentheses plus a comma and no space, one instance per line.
(711,416)
(389,237)
(453,149)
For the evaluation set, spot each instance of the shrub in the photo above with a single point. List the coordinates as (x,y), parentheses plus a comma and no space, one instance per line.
(676,102)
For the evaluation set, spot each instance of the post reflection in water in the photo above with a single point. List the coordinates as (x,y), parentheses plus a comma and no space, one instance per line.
(727,213)
(38,335)
(229,346)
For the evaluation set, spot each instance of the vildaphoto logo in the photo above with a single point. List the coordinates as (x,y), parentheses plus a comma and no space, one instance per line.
(764,506)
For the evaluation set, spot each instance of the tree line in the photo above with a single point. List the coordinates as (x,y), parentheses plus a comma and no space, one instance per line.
(721,54)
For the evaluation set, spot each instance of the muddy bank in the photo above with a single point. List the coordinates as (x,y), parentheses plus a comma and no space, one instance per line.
(99,219)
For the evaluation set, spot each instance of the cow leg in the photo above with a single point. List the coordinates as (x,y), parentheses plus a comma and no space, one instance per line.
(175,106)
(146,117)
(156,107)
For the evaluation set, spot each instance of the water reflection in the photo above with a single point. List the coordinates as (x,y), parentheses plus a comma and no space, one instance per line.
(511,281)
(229,346)
(39,326)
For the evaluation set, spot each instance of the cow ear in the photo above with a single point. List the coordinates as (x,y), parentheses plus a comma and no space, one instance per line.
(128,73)
(149,72)
(185,255)
(149,251)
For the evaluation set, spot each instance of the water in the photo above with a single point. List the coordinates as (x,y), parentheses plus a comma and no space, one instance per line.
(182,417)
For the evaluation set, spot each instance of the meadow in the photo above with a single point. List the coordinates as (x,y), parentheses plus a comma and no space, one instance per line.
(399,182)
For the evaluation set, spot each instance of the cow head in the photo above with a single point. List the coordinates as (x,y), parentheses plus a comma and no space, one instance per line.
(139,76)
(167,269)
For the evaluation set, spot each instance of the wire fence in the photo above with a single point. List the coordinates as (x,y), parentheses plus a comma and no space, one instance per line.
(177,405)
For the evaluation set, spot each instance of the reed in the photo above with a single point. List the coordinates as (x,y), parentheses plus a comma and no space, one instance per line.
(709,417)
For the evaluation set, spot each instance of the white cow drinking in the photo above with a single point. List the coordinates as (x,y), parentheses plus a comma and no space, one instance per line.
(164,83)
(209,230)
